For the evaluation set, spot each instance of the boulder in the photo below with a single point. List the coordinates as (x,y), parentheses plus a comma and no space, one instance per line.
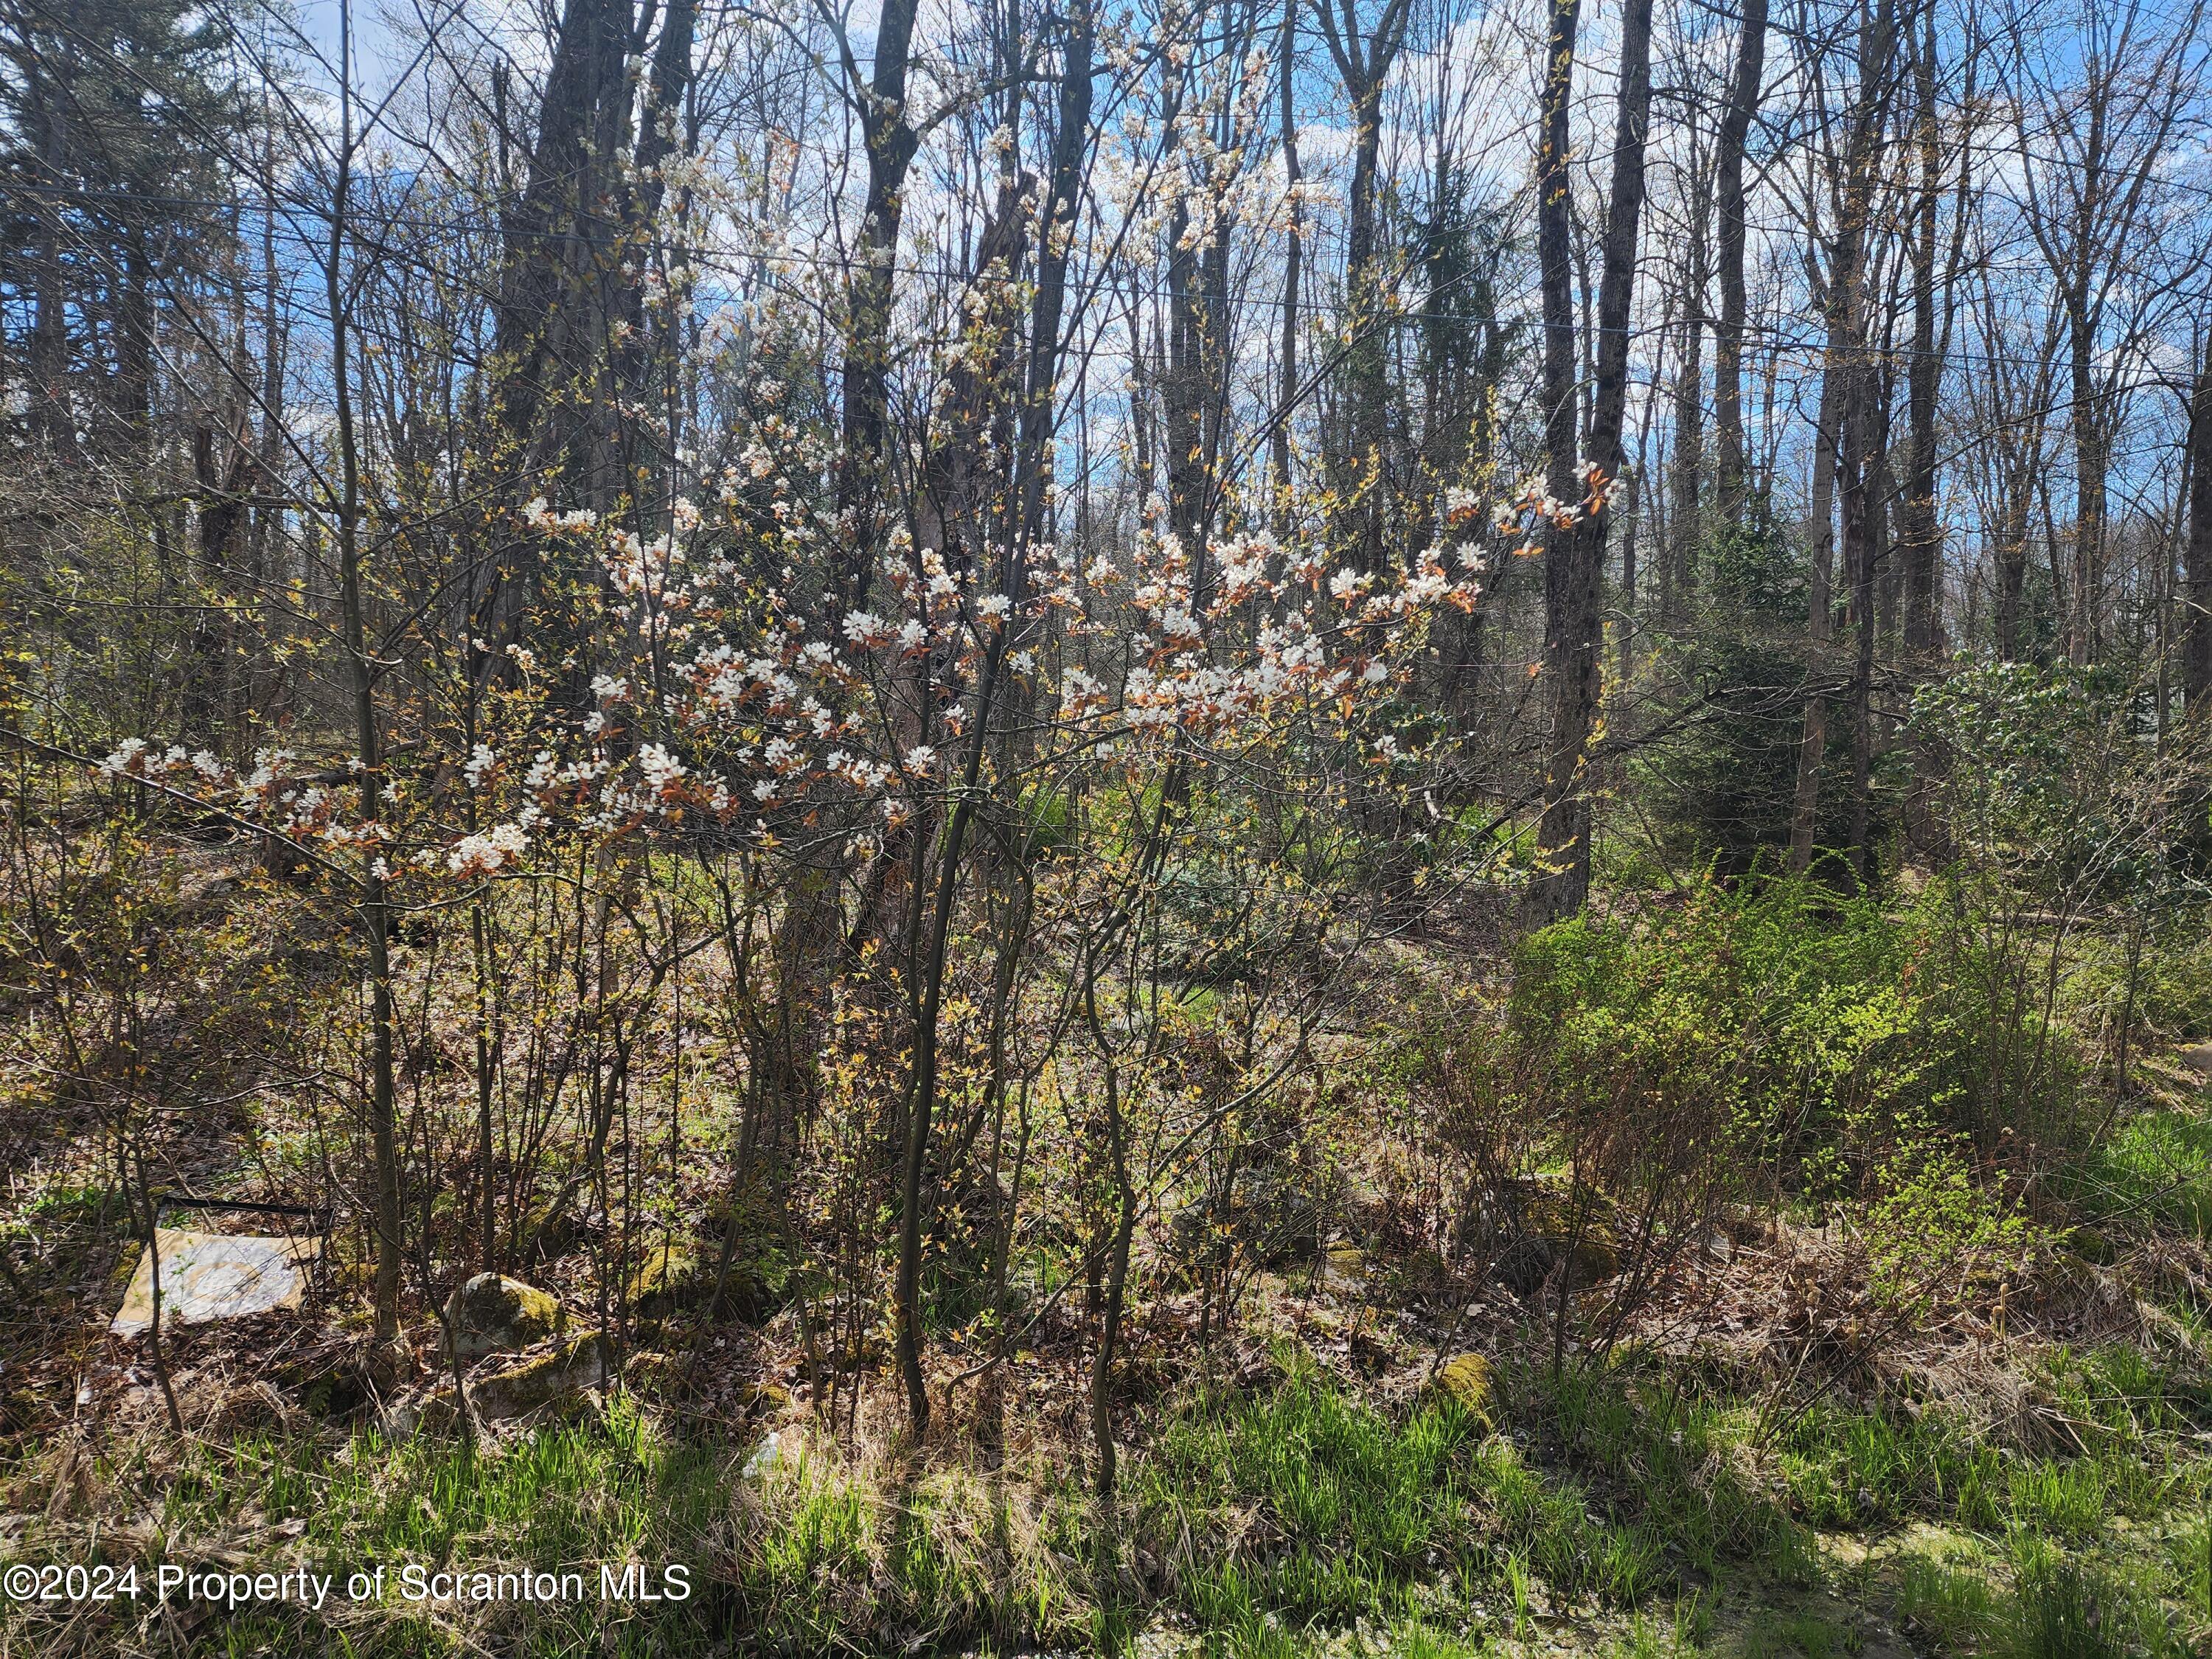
(491,1314)
(668,1278)
(1526,1264)
(1544,1231)
(559,1377)
(1466,1379)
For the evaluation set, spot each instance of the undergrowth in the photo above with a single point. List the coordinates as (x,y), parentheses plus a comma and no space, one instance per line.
(1261,1521)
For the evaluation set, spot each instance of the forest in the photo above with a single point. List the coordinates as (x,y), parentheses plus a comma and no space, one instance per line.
(1256,829)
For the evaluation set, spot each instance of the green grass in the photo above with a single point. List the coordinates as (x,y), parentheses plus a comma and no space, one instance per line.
(2154,1166)
(1268,1523)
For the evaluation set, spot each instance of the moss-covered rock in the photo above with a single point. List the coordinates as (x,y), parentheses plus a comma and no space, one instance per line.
(1548,1231)
(492,1314)
(668,1279)
(1528,1263)
(1468,1380)
(558,1377)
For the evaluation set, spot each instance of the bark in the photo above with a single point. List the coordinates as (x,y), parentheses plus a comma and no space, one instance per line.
(2083,643)
(1728,335)
(1294,252)
(1920,543)
(1365,67)
(1183,374)
(1687,463)
(2196,591)
(1819,604)
(1069,145)
(1564,603)
(555,292)
(50,416)
(1853,393)
(1575,558)
(374,908)
(892,142)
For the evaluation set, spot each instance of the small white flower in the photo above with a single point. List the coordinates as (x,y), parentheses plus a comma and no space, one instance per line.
(129,756)
(660,768)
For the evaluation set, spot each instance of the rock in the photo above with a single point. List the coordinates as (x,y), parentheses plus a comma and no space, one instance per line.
(491,1314)
(558,1376)
(648,1369)
(767,1398)
(548,1234)
(2090,1245)
(1468,1379)
(1528,1263)
(668,1278)
(1344,1267)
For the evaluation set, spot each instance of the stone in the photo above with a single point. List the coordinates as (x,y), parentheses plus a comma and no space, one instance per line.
(492,1314)
(667,1280)
(1527,1264)
(1549,1230)
(557,1377)
(768,1398)
(1468,1379)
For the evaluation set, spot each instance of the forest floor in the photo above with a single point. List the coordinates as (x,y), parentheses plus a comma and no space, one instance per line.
(2021,1481)
(1774,1455)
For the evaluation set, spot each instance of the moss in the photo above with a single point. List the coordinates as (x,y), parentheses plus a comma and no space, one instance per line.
(561,1373)
(492,1314)
(1468,1379)
(668,1278)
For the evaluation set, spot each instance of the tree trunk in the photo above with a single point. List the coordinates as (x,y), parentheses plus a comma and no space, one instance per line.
(1920,543)
(1687,463)
(1287,395)
(2082,645)
(1820,608)
(373,908)
(2197,591)
(892,142)
(1727,337)
(1564,602)
(1365,67)
(1575,558)
(1040,392)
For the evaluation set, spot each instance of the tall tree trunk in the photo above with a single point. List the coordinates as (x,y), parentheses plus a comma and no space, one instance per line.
(1849,380)
(51,419)
(549,322)
(1727,337)
(1563,567)
(1920,542)
(892,142)
(1364,66)
(1183,374)
(1294,252)
(2083,644)
(1687,463)
(1042,389)
(374,906)
(1820,613)
(1575,559)
(2196,591)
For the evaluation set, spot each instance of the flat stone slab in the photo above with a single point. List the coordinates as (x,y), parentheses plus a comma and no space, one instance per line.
(207,1277)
